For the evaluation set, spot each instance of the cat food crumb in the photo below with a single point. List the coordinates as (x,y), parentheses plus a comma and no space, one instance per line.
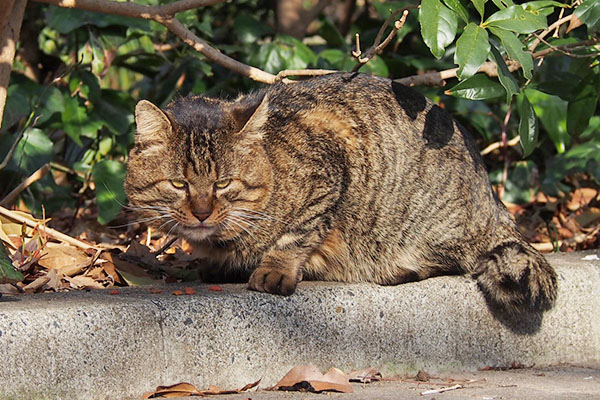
(215,288)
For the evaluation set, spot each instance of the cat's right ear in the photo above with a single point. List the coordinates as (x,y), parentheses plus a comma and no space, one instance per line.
(152,123)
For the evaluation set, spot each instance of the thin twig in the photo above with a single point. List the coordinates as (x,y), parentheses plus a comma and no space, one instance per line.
(546,31)
(36,176)
(302,72)
(495,146)
(441,390)
(49,231)
(378,45)
(565,52)
(489,68)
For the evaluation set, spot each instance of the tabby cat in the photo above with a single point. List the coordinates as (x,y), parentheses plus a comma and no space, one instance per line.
(345,177)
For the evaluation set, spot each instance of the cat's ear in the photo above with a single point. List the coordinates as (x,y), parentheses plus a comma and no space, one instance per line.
(152,123)
(250,115)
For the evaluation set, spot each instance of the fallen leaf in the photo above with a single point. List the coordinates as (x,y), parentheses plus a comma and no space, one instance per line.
(185,389)
(189,290)
(182,389)
(36,284)
(56,282)
(68,259)
(309,378)
(133,274)
(215,288)
(366,375)
(80,281)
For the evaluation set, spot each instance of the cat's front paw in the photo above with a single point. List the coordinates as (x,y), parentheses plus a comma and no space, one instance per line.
(273,280)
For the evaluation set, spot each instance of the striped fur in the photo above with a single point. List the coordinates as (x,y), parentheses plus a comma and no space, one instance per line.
(345,177)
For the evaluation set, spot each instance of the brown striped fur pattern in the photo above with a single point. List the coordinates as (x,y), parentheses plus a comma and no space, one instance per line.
(346,177)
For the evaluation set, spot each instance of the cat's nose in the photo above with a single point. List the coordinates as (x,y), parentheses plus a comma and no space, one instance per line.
(201,215)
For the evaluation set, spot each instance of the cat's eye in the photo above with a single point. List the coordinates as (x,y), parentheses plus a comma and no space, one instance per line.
(178,184)
(222,184)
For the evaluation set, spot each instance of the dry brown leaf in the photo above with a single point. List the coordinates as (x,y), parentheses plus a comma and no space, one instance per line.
(37,284)
(68,259)
(310,378)
(140,252)
(185,389)
(56,281)
(81,281)
(182,389)
(581,197)
(366,375)
(132,273)
(589,217)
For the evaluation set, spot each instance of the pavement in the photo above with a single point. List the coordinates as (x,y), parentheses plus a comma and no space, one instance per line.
(98,345)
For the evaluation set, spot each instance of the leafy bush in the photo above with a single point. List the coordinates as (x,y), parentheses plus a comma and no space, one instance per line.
(79,74)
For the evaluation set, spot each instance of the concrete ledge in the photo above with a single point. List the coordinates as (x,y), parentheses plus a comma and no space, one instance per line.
(99,346)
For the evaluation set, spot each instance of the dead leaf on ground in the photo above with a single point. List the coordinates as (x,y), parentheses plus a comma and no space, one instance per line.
(67,259)
(366,375)
(133,274)
(309,378)
(185,389)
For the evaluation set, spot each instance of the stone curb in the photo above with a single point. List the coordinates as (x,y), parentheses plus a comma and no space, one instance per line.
(94,345)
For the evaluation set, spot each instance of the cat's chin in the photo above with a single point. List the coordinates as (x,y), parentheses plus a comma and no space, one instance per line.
(197,233)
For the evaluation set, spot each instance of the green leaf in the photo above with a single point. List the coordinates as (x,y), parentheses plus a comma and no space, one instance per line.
(17,107)
(516,49)
(552,113)
(472,49)
(335,59)
(86,83)
(34,150)
(583,105)
(506,78)
(528,125)
(109,176)
(50,102)
(438,26)
(249,29)
(459,9)
(65,20)
(516,19)
(479,6)
(331,34)
(115,111)
(589,13)
(477,87)
(76,121)
(8,274)
(377,66)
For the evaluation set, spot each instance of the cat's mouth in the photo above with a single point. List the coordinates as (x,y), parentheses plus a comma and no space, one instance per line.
(198,232)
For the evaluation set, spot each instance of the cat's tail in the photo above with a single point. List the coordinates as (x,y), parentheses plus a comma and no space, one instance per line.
(515,277)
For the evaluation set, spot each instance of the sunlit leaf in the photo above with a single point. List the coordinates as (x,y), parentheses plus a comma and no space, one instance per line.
(438,26)
(516,19)
(477,87)
(516,49)
(472,49)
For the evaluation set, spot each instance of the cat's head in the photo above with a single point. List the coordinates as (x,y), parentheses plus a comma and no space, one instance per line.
(198,169)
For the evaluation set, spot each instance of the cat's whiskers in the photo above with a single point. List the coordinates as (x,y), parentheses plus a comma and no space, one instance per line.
(248,223)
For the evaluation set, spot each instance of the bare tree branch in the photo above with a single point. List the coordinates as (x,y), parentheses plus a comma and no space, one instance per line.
(438,78)
(378,45)
(11,18)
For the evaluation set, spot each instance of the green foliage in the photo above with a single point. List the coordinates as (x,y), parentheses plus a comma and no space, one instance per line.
(76,110)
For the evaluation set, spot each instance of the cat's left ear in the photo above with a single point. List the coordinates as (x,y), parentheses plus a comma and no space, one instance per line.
(152,123)
(250,114)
